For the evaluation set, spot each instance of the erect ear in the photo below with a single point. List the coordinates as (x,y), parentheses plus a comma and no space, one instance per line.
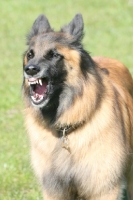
(41,25)
(75,27)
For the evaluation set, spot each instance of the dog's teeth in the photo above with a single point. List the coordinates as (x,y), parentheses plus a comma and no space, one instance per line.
(37,98)
(32,97)
(28,83)
(40,81)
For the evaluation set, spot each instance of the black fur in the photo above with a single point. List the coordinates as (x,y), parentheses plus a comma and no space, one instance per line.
(75,27)
(40,26)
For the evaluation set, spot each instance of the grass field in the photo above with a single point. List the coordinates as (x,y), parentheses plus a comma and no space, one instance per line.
(108,32)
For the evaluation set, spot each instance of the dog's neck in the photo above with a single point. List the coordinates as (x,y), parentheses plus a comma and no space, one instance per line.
(64,131)
(66,128)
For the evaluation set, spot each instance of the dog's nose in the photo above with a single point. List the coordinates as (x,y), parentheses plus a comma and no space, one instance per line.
(32,69)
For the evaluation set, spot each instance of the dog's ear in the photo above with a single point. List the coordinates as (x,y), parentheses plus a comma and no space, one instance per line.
(75,27)
(41,25)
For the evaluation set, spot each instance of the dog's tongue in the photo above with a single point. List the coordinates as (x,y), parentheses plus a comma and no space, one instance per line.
(40,89)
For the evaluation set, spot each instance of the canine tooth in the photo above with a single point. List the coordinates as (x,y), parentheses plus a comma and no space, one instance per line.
(40,81)
(32,97)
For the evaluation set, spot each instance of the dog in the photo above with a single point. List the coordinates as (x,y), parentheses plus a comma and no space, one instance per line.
(78,115)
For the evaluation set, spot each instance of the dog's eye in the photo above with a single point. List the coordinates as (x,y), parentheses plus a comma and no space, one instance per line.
(30,54)
(52,54)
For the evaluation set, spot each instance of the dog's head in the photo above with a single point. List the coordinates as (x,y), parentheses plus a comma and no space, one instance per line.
(53,62)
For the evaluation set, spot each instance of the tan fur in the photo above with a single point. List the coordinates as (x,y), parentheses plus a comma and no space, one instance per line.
(118,69)
(25,60)
(97,143)
(72,58)
(40,140)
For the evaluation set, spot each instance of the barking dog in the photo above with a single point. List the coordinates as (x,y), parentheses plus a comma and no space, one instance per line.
(79,116)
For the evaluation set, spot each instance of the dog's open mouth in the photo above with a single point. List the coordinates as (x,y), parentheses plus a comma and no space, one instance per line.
(38,89)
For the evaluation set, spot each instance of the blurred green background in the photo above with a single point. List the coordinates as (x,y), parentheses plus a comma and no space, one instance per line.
(108,32)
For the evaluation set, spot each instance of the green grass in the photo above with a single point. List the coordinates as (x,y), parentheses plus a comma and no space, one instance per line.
(108,32)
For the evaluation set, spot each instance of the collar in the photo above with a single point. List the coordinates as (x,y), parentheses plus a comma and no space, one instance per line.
(66,129)
(63,132)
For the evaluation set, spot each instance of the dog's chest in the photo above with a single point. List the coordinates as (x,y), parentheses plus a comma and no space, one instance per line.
(70,170)
(61,177)
(75,170)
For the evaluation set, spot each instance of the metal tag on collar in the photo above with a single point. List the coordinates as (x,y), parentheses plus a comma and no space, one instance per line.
(65,140)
